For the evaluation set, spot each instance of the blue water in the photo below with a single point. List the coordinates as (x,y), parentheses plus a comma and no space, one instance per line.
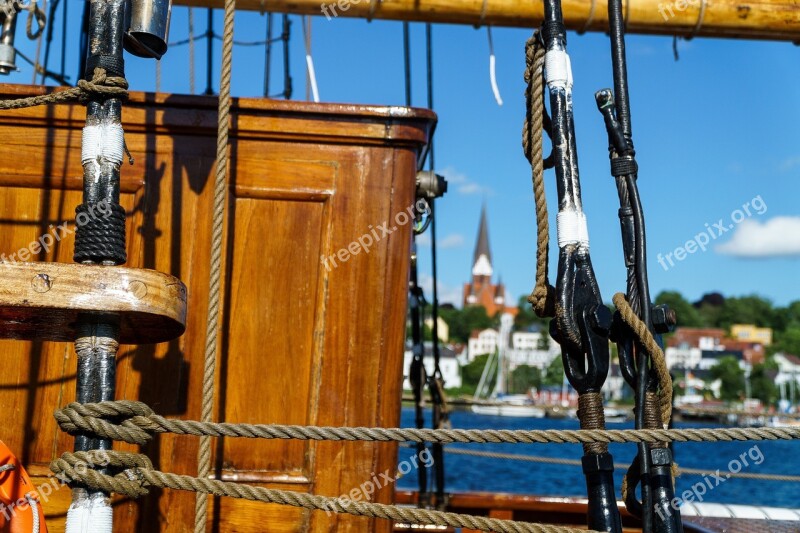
(467,473)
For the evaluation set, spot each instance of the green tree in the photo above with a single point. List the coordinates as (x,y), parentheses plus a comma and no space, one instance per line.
(554,374)
(688,317)
(463,321)
(526,317)
(787,341)
(471,374)
(523,378)
(746,310)
(727,370)
(762,385)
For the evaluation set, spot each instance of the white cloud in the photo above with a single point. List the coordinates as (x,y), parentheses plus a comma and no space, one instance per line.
(470,188)
(453,240)
(777,237)
(423,240)
(460,183)
(789,163)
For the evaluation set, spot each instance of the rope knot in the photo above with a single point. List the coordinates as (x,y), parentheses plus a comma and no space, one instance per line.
(121,420)
(102,84)
(128,478)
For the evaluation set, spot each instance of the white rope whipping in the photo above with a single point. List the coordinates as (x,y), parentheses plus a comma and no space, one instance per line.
(573,229)
(558,70)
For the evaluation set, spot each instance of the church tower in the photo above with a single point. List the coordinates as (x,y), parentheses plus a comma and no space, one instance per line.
(481,291)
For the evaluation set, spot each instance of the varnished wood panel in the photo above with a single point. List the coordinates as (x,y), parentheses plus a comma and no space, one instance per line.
(301,343)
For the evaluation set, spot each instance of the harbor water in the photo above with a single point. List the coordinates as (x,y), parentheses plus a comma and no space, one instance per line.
(468,473)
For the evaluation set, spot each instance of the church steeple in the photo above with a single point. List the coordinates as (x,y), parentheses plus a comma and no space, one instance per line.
(482,259)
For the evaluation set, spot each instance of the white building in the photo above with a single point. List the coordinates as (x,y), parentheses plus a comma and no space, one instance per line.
(526,340)
(482,342)
(524,348)
(448,363)
(683,356)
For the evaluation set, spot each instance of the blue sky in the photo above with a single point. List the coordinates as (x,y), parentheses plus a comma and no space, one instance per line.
(713,131)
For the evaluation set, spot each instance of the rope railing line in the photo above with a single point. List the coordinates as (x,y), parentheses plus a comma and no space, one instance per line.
(135,423)
(621,466)
(136,475)
(100,84)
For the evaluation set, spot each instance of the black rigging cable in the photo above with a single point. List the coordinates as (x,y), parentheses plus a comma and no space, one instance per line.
(268,55)
(653,464)
(436,383)
(417,374)
(84,41)
(51,17)
(210,52)
(287,76)
(64,42)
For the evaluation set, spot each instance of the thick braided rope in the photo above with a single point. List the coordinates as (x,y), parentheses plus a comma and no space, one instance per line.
(138,426)
(650,345)
(215,270)
(100,85)
(577,462)
(543,296)
(138,474)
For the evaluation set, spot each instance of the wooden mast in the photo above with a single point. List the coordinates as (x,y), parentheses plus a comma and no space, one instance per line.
(740,19)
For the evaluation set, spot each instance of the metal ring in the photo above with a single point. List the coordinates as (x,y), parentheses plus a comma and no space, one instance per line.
(589,19)
(700,18)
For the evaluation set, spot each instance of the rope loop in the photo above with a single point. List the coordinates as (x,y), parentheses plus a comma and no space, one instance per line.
(122,420)
(646,340)
(543,296)
(37,13)
(102,84)
(78,468)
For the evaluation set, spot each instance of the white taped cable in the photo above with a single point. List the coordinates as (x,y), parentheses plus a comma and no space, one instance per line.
(90,515)
(113,142)
(572,229)
(558,72)
(91,143)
